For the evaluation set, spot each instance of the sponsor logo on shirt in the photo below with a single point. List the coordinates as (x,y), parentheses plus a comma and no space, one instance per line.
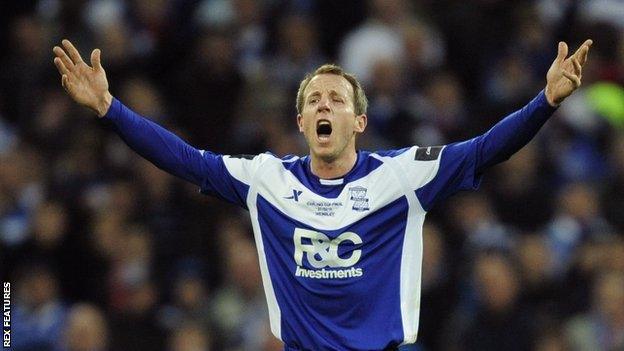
(322,252)
(428,153)
(294,196)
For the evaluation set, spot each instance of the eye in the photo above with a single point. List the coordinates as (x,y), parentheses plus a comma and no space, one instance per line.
(313,100)
(338,100)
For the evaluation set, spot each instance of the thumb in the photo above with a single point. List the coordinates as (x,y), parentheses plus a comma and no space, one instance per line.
(95,59)
(562,51)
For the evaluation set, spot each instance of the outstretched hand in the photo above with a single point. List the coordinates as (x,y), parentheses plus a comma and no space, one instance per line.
(87,85)
(564,75)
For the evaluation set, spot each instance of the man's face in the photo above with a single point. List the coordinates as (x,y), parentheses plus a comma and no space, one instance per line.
(328,120)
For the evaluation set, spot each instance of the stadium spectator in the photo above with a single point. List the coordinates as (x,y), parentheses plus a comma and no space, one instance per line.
(540,289)
(39,313)
(602,327)
(498,322)
(135,326)
(238,308)
(86,329)
(297,52)
(377,39)
(189,337)
(190,303)
(522,194)
(577,220)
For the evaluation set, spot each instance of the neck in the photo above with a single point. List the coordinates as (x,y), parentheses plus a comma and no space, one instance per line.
(328,169)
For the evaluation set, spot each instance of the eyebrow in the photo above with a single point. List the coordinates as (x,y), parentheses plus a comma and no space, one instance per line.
(331,93)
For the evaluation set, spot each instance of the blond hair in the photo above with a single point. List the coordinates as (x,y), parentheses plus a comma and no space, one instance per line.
(360,103)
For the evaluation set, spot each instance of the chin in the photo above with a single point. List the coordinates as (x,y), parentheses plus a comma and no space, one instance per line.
(326,154)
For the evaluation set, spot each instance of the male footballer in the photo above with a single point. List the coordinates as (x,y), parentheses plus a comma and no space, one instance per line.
(339,231)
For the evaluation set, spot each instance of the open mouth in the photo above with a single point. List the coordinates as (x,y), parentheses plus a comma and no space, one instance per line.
(323,129)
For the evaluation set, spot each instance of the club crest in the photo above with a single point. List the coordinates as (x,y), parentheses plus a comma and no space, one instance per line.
(358,195)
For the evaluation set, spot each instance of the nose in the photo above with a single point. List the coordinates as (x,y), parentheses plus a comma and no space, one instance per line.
(323,105)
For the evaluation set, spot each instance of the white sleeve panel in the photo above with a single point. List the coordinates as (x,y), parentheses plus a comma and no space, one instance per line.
(420,164)
(244,167)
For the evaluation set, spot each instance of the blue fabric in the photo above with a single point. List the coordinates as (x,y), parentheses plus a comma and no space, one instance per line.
(462,163)
(325,314)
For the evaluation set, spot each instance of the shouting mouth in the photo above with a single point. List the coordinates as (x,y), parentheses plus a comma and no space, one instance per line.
(323,130)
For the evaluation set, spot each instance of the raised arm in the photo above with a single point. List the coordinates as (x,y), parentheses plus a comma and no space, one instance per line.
(461,164)
(88,86)
(516,130)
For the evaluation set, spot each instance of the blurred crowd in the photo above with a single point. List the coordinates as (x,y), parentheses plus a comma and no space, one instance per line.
(106,252)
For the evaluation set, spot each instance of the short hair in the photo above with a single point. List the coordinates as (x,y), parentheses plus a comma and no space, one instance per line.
(360,103)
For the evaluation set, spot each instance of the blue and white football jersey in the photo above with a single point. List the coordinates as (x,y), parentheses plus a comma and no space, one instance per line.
(341,258)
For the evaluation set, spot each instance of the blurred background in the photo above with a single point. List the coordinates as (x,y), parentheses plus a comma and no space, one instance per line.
(106,252)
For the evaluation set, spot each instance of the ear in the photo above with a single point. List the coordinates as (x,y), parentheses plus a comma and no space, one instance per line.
(360,123)
(300,122)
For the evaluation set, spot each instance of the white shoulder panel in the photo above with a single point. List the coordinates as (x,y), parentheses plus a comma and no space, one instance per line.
(419,170)
(243,168)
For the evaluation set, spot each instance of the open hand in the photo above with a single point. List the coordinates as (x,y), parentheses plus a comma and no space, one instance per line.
(564,75)
(87,85)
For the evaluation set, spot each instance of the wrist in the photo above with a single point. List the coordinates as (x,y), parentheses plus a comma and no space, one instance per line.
(550,98)
(104,104)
